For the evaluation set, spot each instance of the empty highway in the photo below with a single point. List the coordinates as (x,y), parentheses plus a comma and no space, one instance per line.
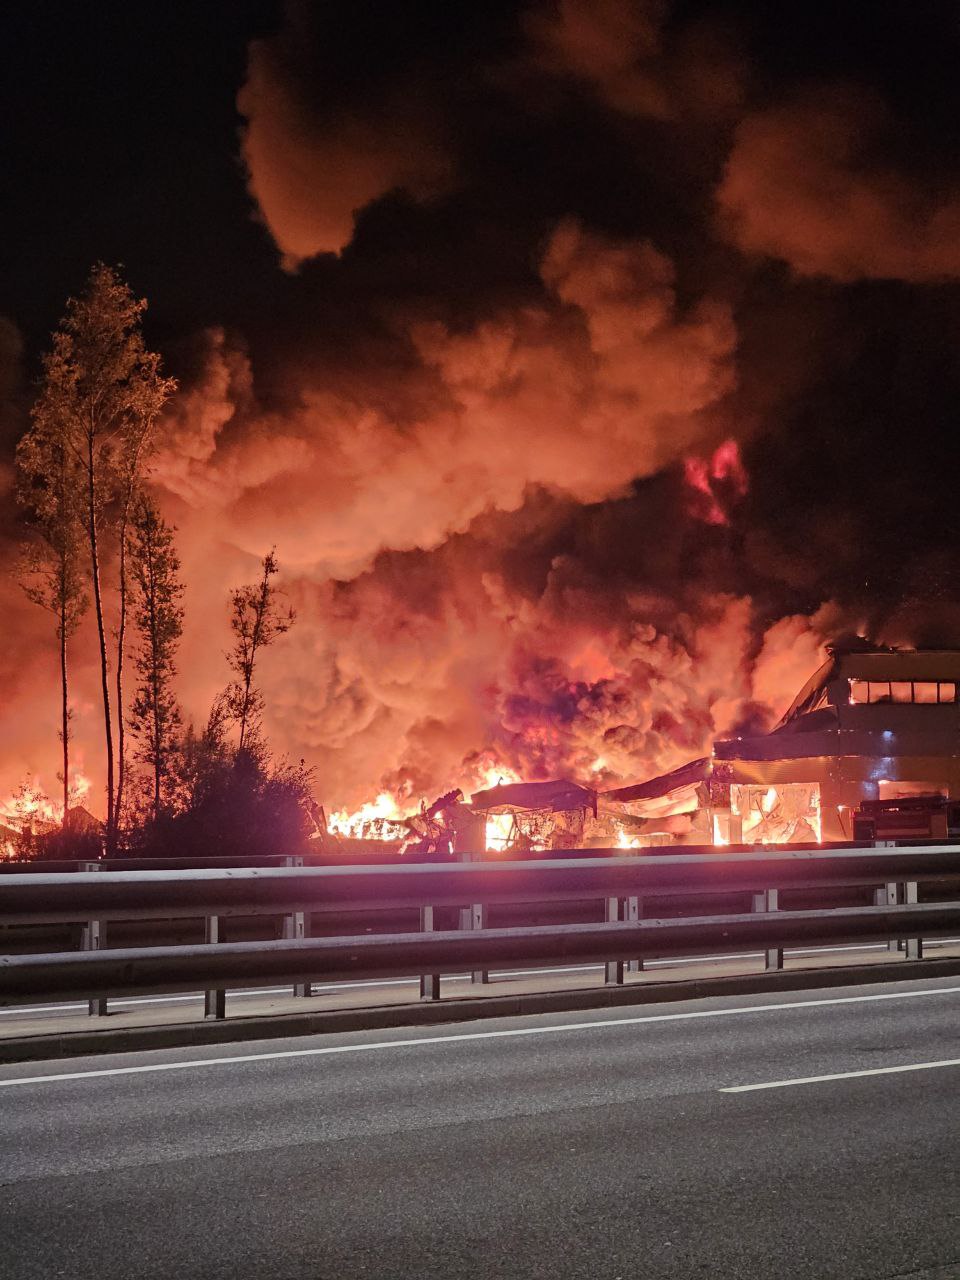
(808,1135)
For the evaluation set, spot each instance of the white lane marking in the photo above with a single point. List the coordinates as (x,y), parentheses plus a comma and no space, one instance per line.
(511,1033)
(841,1075)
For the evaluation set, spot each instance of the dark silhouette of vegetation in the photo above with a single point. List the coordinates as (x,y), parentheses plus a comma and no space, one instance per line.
(232,800)
(257,620)
(154,715)
(82,467)
(51,564)
(101,395)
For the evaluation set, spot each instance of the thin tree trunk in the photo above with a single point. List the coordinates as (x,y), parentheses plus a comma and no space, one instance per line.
(101,633)
(65,723)
(155,681)
(157,734)
(246,708)
(157,760)
(121,632)
(254,645)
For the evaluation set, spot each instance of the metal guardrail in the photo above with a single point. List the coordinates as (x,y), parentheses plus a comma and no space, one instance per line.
(248,891)
(622,883)
(196,968)
(60,866)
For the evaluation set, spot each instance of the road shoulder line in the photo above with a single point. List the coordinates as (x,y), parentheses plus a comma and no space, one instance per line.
(841,1075)
(237,1030)
(516,1033)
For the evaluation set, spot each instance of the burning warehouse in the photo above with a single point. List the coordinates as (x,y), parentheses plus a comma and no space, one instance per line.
(873,731)
(871,725)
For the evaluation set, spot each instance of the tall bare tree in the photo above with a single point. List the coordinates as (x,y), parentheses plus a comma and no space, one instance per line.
(131,460)
(102,392)
(51,566)
(158,616)
(256,620)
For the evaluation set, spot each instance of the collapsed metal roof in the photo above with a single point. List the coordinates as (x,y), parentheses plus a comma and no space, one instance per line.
(557,796)
(686,776)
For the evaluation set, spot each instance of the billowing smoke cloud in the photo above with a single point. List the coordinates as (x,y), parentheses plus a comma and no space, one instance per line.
(805,183)
(611,44)
(622,50)
(604,380)
(429,657)
(535,448)
(320,148)
(420,676)
(314,162)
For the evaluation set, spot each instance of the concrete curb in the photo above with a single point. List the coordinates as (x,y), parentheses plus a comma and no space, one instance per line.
(74,1044)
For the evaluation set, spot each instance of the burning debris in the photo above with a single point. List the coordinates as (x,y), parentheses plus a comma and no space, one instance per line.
(535,815)
(30,821)
(505,817)
(381,819)
(433,832)
(872,725)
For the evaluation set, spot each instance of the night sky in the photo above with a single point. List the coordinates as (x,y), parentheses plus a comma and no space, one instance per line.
(406,183)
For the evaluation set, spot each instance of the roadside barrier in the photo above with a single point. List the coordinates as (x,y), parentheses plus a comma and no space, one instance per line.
(621,883)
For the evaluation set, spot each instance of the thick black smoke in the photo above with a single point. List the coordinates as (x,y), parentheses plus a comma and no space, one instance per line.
(594,365)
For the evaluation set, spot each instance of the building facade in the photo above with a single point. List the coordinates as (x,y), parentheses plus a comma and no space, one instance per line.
(871,724)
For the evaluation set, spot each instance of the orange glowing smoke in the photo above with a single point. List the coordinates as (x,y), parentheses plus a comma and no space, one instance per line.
(802,185)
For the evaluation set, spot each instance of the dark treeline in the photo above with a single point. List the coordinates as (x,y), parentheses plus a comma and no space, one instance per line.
(95,539)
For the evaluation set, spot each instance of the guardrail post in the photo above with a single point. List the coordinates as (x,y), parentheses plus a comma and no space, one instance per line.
(295,927)
(214,1002)
(914,946)
(92,938)
(429,982)
(768,900)
(613,969)
(631,913)
(889,895)
(475,917)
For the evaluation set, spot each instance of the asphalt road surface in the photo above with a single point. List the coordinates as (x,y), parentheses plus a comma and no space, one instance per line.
(603,1145)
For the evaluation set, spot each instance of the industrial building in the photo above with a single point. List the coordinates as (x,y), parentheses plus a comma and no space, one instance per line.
(871,724)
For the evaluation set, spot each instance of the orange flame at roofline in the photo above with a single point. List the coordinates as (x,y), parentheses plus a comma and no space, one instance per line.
(382,819)
(30,811)
(500,827)
(376,820)
(31,803)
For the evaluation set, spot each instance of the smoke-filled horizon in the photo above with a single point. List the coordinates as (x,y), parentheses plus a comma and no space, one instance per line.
(589,363)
